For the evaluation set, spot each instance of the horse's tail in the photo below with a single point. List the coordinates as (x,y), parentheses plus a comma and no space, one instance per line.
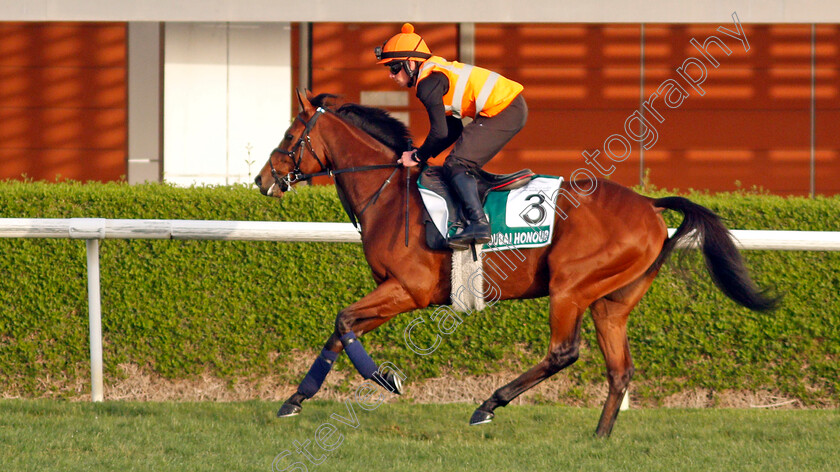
(723,261)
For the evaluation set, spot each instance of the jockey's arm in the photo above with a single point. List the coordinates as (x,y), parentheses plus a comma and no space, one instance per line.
(443,130)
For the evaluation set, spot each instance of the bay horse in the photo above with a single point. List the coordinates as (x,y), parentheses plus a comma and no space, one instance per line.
(604,254)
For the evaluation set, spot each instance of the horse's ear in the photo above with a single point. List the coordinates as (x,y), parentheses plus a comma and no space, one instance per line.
(303,99)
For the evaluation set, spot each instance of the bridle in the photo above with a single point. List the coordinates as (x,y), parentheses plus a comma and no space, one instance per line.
(297,175)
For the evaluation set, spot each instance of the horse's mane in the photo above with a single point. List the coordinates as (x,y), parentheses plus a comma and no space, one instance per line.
(374,121)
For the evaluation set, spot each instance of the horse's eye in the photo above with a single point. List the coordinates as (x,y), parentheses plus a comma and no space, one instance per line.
(289,137)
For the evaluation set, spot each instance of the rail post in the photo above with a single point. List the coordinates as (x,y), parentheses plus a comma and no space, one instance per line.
(95,317)
(92,230)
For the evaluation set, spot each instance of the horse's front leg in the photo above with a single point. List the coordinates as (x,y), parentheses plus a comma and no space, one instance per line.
(314,378)
(386,301)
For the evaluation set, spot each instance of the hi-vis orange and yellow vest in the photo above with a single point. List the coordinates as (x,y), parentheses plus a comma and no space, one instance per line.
(472,90)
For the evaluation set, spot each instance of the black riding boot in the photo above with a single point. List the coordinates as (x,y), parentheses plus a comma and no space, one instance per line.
(478,228)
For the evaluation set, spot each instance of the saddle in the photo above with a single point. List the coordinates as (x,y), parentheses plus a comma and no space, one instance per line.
(432,180)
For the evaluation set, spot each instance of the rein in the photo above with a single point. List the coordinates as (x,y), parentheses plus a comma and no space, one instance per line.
(296,175)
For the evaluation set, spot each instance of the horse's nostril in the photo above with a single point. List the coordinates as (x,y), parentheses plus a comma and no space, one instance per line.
(258,181)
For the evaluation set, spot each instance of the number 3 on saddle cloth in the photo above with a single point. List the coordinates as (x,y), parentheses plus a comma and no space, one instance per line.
(520,207)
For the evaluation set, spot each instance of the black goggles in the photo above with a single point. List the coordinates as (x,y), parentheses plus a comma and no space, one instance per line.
(395,67)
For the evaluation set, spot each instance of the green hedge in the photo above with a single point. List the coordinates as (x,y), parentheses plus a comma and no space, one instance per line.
(239,309)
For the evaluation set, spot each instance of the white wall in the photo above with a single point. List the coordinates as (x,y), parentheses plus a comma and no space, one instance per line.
(144,91)
(226,89)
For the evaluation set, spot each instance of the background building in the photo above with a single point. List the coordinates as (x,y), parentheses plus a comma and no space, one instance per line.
(202,91)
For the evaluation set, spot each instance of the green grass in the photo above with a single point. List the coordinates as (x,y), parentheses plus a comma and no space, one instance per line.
(49,435)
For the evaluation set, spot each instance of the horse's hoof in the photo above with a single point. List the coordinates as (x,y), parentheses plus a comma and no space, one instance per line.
(390,382)
(481,417)
(288,409)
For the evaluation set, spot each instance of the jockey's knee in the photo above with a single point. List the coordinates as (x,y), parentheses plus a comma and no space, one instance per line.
(454,166)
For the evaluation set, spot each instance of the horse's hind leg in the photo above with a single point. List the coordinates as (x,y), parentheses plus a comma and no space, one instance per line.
(610,315)
(565,318)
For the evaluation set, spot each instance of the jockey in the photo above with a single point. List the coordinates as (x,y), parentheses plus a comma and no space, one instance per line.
(450,91)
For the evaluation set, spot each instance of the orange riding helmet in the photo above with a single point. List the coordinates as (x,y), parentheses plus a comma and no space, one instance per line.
(404,46)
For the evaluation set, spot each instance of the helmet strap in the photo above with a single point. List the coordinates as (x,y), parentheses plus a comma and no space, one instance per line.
(412,74)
